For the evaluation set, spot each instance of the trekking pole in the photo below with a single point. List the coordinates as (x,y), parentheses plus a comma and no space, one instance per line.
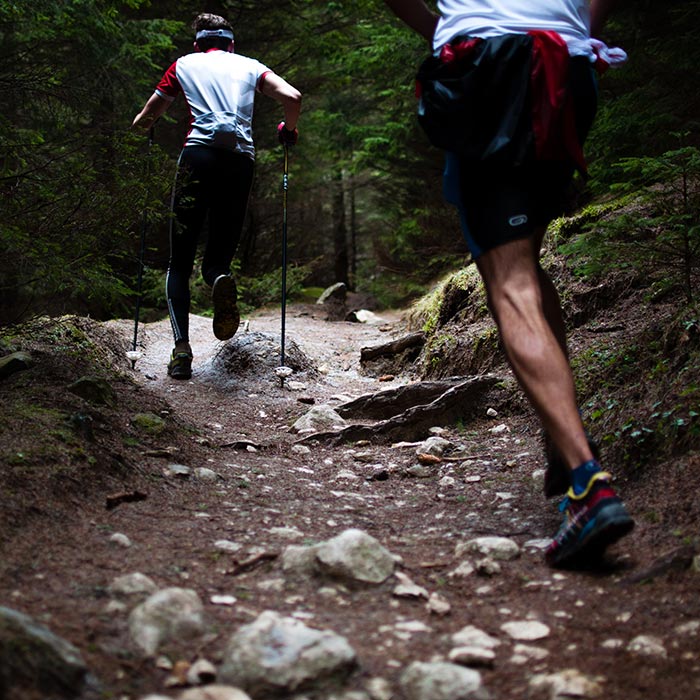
(285,187)
(283,371)
(135,354)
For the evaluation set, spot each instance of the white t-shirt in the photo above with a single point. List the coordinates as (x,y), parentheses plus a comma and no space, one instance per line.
(220,91)
(488,18)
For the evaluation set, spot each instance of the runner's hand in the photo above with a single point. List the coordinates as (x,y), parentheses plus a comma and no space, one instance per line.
(285,136)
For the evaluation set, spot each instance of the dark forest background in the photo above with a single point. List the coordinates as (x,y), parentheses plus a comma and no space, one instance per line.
(365,201)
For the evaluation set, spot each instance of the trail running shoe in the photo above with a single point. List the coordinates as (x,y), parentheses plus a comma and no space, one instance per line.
(556,477)
(226,314)
(592,521)
(180,365)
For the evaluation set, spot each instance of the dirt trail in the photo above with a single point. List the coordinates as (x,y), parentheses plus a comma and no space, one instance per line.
(592,616)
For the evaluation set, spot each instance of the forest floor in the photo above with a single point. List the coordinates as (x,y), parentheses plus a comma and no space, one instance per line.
(57,560)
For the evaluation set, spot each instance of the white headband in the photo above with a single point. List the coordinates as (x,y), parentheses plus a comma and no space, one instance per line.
(212,33)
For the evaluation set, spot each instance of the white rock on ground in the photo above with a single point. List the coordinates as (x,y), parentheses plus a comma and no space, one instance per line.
(298,560)
(441,681)
(526,630)
(647,645)
(563,685)
(276,654)
(501,548)
(471,636)
(434,445)
(135,585)
(214,692)
(171,613)
(355,555)
(317,419)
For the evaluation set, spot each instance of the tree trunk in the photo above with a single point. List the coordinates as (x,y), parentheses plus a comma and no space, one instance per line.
(340,244)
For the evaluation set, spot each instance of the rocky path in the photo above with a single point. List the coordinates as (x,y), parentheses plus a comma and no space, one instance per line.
(378,570)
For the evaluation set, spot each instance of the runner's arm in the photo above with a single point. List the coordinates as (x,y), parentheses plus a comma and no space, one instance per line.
(288,96)
(416,15)
(152,111)
(600,11)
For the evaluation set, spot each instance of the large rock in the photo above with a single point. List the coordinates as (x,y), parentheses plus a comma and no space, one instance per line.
(34,660)
(356,556)
(276,654)
(168,615)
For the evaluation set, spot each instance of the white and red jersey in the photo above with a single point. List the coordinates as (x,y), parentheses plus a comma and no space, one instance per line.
(220,91)
(490,18)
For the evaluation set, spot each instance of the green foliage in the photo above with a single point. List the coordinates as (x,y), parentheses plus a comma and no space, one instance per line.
(656,235)
(71,197)
(363,177)
(642,398)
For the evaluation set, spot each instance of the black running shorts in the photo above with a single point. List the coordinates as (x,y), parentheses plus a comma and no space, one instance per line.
(498,203)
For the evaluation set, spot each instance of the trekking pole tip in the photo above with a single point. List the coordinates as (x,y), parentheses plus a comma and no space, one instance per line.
(133,355)
(283,372)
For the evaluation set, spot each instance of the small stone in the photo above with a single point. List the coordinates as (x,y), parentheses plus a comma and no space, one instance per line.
(178,471)
(227,546)
(419,471)
(379,689)
(647,645)
(135,584)
(201,672)
(471,636)
(524,654)
(491,412)
(434,445)
(612,644)
(287,533)
(440,681)
(501,548)
(438,605)
(120,540)
(204,474)
(406,588)
(465,568)
(689,628)
(223,600)
(472,656)
(526,630)
(566,684)
(488,567)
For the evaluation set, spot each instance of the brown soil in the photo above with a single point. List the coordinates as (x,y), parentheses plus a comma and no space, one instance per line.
(56,560)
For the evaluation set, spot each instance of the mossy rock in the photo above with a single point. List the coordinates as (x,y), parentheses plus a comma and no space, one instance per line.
(94,390)
(15,362)
(148,423)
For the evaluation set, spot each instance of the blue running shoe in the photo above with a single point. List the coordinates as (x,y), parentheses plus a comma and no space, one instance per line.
(593,521)
(556,477)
